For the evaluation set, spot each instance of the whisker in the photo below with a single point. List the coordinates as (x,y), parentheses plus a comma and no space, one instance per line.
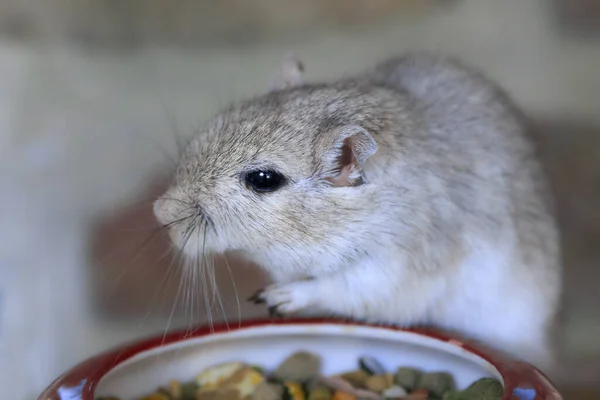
(192,301)
(205,290)
(177,259)
(146,241)
(210,271)
(150,239)
(189,305)
(174,199)
(218,295)
(237,296)
(166,278)
(197,283)
(193,289)
(175,301)
(189,268)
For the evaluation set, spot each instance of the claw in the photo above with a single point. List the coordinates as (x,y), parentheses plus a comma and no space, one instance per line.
(257,298)
(274,313)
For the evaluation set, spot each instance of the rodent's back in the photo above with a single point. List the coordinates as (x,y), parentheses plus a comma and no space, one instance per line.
(468,122)
(469,139)
(482,160)
(487,178)
(442,85)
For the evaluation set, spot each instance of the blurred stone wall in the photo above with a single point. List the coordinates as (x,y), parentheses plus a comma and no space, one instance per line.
(185,22)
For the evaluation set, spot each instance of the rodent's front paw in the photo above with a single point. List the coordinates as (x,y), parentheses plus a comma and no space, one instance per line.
(284,299)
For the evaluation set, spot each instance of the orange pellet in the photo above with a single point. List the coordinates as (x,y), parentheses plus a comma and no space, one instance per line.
(339,395)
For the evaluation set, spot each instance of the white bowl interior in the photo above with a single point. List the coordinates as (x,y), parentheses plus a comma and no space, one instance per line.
(339,346)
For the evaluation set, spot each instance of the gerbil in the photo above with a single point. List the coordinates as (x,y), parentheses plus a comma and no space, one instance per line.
(409,194)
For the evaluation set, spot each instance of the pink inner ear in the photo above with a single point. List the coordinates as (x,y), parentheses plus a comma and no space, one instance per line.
(343,178)
(347,156)
(347,163)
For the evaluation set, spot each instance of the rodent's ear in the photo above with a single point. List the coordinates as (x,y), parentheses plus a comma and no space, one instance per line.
(290,74)
(345,151)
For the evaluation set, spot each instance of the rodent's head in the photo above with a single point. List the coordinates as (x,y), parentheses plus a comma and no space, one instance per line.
(279,173)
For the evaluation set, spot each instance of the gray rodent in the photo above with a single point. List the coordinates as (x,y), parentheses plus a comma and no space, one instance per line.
(408,194)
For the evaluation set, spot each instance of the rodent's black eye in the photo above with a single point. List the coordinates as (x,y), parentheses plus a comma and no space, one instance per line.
(264,180)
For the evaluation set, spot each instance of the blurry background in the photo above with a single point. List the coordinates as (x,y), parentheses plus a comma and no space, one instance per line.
(94,96)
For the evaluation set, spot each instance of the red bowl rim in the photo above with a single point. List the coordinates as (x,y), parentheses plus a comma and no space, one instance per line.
(521,380)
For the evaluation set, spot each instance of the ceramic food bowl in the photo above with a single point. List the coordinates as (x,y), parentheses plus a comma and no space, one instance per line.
(137,369)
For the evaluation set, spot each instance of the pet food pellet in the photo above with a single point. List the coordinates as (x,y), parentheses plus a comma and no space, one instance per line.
(378,383)
(219,394)
(482,389)
(371,366)
(394,392)
(214,377)
(156,396)
(189,390)
(408,378)
(339,395)
(175,390)
(437,383)
(319,393)
(294,391)
(356,378)
(301,366)
(268,391)
(418,394)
